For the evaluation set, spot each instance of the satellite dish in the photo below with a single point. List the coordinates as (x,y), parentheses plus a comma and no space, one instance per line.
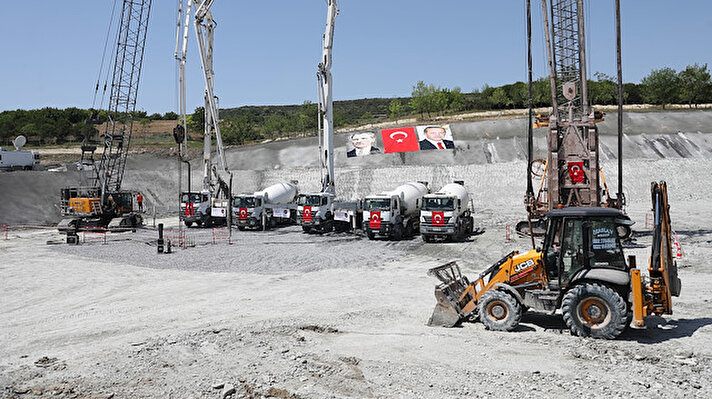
(19,142)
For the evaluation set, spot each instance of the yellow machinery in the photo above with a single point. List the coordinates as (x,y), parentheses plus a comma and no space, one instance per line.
(580,269)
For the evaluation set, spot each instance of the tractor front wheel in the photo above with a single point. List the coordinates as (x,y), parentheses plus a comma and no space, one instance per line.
(499,311)
(594,310)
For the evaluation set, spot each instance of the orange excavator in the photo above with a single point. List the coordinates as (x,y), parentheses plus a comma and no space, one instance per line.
(580,269)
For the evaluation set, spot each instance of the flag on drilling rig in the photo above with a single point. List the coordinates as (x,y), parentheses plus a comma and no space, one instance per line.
(576,171)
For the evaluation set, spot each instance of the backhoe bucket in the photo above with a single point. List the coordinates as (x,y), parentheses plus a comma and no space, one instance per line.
(447,310)
(445,314)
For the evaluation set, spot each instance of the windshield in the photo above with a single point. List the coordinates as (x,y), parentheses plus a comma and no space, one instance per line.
(378,203)
(436,204)
(244,202)
(190,197)
(308,200)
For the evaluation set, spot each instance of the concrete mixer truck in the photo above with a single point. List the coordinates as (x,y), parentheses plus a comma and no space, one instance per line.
(447,213)
(394,213)
(270,207)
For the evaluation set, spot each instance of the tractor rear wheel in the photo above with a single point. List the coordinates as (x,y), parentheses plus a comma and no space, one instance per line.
(594,310)
(499,311)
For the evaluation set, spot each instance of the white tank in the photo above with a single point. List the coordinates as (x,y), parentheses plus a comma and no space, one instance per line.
(410,194)
(454,190)
(280,193)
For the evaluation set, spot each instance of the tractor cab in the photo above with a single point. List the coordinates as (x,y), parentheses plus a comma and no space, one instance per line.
(583,242)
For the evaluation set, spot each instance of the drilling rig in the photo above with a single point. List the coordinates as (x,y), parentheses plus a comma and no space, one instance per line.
(571,174)
(321,212)
(209,207)
(99,201)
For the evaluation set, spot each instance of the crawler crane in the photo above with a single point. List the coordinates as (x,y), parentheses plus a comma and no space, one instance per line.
(100,201)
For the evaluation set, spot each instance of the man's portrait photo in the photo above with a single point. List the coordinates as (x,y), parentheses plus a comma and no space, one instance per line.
(363,143)
(435,138)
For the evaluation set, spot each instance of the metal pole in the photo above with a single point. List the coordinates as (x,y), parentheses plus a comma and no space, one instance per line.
(582,58)
(530,128)
(620,198)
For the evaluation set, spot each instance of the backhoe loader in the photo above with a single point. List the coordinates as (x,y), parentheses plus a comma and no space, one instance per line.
(580,269)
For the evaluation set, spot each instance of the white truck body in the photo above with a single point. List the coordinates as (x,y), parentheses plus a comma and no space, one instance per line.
(267,207)
(446,213)
(394,213)
(19,159)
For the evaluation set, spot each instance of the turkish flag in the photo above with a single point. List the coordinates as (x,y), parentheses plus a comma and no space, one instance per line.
(576,171)
(400,140)
(243,213)
(438,218)
(189,209)
(374,221)
(307,214)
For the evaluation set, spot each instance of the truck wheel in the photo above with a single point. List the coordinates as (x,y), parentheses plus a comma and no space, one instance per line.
(198,223)
(397,234)
(499,311)
(594,310)
(370,235)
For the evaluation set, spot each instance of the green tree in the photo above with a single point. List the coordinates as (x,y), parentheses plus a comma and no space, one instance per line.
(239,130)
(695,84)
(661,87)
(499,98)
(604,90)
(395,108)
(196,121)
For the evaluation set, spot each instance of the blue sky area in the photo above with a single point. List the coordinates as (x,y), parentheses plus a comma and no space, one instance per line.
(266,52)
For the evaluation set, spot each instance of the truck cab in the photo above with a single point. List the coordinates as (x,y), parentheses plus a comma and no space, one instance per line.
(247,211)
(193,207)
(315,212)
(447,214)
(382,215)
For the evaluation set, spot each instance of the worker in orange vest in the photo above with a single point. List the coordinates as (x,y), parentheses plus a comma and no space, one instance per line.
(139,199)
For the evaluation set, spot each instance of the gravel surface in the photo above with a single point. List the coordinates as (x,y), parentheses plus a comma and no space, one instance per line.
(285,314)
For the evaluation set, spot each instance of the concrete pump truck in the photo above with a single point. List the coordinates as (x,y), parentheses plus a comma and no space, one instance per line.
(321,212)
(210,206)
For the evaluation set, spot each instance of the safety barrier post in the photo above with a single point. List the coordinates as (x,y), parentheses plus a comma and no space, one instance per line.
(221,233)
(649,220)
(678,247)
(507,234)
(4,229)
(177,236)
(94,231)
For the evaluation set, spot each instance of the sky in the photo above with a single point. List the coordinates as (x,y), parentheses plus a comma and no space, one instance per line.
(266,52)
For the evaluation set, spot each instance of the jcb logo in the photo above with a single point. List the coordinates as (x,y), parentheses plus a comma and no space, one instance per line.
(518,268)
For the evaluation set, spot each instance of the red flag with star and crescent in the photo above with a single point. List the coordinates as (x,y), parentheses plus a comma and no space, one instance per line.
(374,221)
(243,213)
(403,139)
(438,218)
(307,214)
(576,171)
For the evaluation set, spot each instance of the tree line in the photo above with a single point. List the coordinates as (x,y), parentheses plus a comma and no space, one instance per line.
(691,86)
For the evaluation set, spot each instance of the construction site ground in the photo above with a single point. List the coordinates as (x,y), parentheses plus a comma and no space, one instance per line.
(286,314)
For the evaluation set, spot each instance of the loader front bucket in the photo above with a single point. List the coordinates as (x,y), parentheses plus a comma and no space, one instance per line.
(444,314)
(447,312)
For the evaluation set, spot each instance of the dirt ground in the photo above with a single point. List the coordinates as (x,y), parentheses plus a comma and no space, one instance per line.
(285,314)
(290,315)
